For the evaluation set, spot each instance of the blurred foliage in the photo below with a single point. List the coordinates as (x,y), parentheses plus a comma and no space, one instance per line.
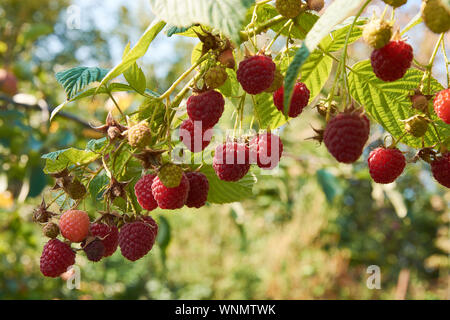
(310,231)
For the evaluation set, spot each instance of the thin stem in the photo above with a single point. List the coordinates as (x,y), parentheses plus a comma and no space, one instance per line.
(446,63)
(54,199)
(183,76)
(115,103)
(278,34)
(266,25)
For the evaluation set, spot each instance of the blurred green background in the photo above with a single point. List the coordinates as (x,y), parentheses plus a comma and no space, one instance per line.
(310,231)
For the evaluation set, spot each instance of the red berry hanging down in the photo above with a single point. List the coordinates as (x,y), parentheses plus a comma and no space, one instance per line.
(231,161)
(256,73)
(440,167)
(300,98)
(194,135)
(94,250)
(345,136)
(170,198)
(386,164)
(198,189)
(206,107)
(56,257)
(266,150)
(143,191)
(391,62)
(442,105)
(136,239)
(109,236)
(74,225)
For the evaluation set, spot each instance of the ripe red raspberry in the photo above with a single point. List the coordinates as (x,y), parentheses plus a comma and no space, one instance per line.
(266,150)
(152,223)
(386,164)
(94,250)
(143,192)
(231,161)
(195,137)
(74,225)
(440,167)
(206,107)
(345,136)
(109,236)
(300,98)
(391,62)
(256,73)
(136,239)
(56,257)
(170,198)
(198,189)
(442,105)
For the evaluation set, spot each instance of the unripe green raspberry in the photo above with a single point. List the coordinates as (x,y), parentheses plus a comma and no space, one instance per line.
(51,230)
(436,17)
(139,135)
(75,189)
(170,175)
(377,33)
(215,77)
(416,125)
(277,82)
(289,8)
(395,3)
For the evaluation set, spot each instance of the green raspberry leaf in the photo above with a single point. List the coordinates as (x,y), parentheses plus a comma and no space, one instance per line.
(226,192)
(388,102)
(225,15)
(76,79)
(59,160)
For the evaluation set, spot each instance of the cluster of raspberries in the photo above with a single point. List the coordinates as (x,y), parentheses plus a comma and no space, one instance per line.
(98,240)
(232,159)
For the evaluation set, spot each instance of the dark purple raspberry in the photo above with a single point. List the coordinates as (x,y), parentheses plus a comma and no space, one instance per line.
(109,236)
(170,198)
(206,107)
(300,98)
(143,191)
(56,257)
(94,250)
(256,73)
(198,189)
(231,161)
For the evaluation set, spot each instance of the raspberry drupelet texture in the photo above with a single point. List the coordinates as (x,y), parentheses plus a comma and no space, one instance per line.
(194,135)
(94,250)
(345,136)
(206,107)
(386,164)
(198,189)
(300,98)
(136,239)
(266,150)
(391,62)
(231,161)
(442,105)
(256,73)
(109,236)
(440,167)
(143,192)
(74,225)
(170,198)
(56,257)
